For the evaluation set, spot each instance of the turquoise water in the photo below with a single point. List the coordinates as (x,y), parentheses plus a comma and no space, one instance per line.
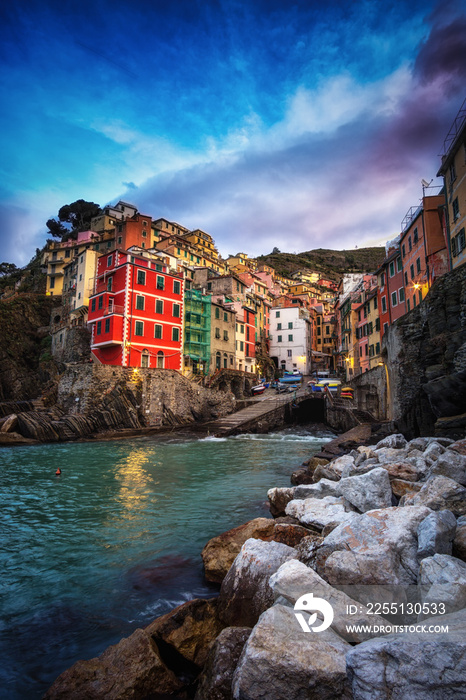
(115,541)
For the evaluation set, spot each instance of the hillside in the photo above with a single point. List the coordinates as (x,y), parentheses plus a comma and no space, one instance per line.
(330,263)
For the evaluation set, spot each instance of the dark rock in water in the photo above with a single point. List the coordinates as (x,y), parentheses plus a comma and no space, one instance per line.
(186,633)
(160,575)
(215,681)
(130,669)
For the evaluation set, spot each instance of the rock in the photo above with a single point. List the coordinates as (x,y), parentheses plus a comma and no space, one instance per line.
(386,455)
(307,547)
(401,470)
(325,473)
(401,488)
(313,462)
(433,451)
(442,579)
(459,543)
(190,629)
(134,662)
(9,424)
(301,476)
(439,493)
(289,534)
(416,459)
(15,439)
(279,499)
(451,464)
(419,444)
(293,579)
(436,533)
(411,666)
(378,547)
(368,491)
(245,591)
(323,488)
(337,465)
(368,452)
(458,446)
(319,512)
(220,552)
(281,662)
(217,676)
(397,442)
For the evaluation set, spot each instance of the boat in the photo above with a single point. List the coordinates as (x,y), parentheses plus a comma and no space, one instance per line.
(259,389)
(290,378)
(331,384)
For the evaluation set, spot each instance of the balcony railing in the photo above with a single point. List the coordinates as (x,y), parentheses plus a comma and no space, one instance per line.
(119,310)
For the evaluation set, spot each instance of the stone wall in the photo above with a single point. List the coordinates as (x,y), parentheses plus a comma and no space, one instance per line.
(371,393)
(426,362)
(161,396)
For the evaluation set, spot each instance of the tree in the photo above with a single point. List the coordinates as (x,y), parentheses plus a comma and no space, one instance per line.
(7,268)
(78,214)
(275,251)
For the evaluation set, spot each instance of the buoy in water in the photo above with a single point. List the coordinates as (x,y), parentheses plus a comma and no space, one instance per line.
(58,472)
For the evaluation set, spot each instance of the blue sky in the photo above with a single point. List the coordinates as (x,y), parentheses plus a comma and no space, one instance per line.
(263,122)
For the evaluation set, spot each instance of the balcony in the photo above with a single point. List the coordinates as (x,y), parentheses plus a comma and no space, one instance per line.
(114,309)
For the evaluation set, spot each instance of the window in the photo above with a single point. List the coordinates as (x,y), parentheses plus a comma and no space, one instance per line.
(99,327)
(109,260)
(392,268)
(279,326)
(382,280)
(241,345)
(408,304)
(377,348)
(141,277)
(176,310)
(290,323)
(109,284)
(359,315)
(159,306)
(385,327)
(377,323)
(279,339)
(418,264)
(144,234)
(120,238)
(225,316)
(101,302)
(456,209)
(410,245)
(366,349)
(401,294)
(225,335)
(415,235)
(318,331)
(375,303)
(217,332)
(93,305)
(175,334)
(158,267)
(290,338)
(107,325)
(289,353)
(414,300)
(452,172)
(411,270)
(460,241)
(398,264)
(160,282)
(139,328)
(158,331)
(160,360)
(242,328)
(140,302)
(394,299)
(454,252)
(384,304)
(176,287)
(209,286)
(217,312)
(420,295)
(277,314)
(403,250)
(406,278)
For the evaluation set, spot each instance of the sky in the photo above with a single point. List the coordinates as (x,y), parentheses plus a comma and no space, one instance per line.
(266,123)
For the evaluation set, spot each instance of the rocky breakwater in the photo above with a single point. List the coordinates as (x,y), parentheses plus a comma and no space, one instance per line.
(391,519)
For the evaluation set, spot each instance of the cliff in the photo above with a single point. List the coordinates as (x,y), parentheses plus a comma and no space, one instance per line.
(26,364)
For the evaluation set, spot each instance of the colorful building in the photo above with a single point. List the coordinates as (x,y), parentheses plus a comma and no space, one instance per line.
(291,339)
(136,311)
(391,288)
(197,329)
(453,170)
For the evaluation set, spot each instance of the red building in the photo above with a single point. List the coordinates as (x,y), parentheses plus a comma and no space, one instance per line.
(391,289)
(134,231)
(136,311)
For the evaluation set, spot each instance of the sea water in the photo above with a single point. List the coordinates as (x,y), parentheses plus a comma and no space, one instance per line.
(115,541)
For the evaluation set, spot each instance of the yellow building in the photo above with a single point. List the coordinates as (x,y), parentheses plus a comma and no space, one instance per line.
(60,253)
(202,240)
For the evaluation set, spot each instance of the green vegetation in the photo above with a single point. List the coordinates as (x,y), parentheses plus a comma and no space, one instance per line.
(331,264)
(78,215)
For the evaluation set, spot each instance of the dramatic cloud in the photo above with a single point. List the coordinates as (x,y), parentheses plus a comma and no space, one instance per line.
(264,123)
